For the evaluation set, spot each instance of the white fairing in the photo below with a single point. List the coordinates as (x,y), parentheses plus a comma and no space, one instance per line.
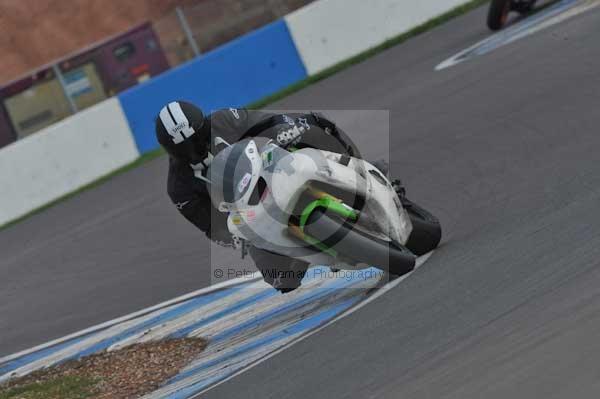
(288,174)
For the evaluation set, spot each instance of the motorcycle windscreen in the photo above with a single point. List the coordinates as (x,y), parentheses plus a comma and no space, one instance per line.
(233,173)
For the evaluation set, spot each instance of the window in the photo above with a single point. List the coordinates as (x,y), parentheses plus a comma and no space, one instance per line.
(124,51)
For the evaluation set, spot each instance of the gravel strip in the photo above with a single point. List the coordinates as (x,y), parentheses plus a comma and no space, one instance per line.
(123,374)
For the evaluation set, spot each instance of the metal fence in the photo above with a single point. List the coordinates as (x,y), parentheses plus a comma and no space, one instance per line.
(189,31)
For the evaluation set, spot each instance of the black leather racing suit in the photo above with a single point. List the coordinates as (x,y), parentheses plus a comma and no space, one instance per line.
(191,196)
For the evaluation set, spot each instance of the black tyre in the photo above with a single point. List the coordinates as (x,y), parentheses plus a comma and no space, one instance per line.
(333,232)
(427,231)
(498,14)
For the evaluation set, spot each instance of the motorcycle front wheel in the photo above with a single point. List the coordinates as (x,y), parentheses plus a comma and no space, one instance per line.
(334,233)
(427,231)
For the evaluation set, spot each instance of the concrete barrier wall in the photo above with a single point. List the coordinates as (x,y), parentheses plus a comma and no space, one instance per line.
(236,74)
(63,157)
(92,143)
(330,31)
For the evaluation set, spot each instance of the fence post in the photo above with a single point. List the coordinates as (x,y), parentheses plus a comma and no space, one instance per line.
(63,85)
(186,29)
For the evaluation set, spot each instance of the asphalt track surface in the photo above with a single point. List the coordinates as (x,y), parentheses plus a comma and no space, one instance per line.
(503,148)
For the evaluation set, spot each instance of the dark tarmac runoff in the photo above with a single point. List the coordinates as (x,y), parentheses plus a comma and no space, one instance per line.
(504,148)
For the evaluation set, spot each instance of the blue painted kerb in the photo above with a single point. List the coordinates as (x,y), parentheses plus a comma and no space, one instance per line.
(236,74)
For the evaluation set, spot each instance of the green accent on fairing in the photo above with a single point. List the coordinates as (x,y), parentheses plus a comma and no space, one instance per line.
(327,202)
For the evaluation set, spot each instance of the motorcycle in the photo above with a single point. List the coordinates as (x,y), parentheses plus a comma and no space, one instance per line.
(499,10)
(322,207)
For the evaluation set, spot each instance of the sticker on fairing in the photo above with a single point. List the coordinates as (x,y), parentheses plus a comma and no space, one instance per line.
(242,216)
(267,158)
(250,215)
(237,219)
(244,182)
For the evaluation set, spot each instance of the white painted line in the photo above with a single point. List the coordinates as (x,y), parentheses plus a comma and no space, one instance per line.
(555,14)
(234,319)
(110,323)
(381,291)
(204,312)
(223,357)
(253,289)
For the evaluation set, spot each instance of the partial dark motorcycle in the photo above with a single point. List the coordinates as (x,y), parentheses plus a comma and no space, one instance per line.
(500,9)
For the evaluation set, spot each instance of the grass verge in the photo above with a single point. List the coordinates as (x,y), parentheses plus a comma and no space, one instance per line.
(129,372)
(278,96)
(68,387)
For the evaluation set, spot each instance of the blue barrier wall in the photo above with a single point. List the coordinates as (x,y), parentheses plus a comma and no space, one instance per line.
(234,75)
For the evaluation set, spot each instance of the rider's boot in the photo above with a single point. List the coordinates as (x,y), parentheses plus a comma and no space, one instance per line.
(401,191)
(407,204)
(384,167)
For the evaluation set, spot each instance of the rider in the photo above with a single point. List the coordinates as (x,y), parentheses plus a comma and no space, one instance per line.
(189,136)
